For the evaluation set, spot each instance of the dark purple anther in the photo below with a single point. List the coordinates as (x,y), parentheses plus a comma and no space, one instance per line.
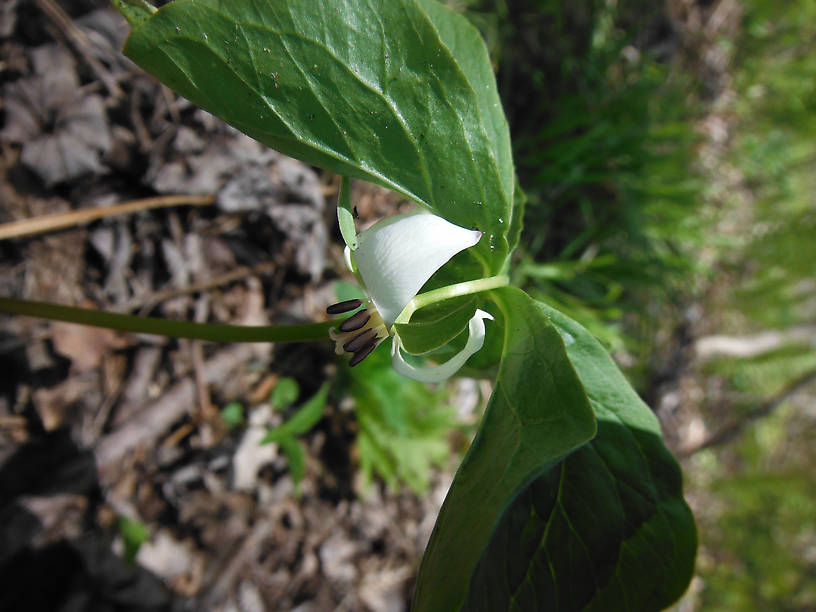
(360,340)
(342,307)
(362,354)
(355,321)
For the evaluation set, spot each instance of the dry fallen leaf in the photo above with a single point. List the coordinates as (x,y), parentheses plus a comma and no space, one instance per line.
(60,516)
(63,132)
(52,403)
(8,17)
(84,346)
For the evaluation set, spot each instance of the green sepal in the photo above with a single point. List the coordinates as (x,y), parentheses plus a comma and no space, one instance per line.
(345,214)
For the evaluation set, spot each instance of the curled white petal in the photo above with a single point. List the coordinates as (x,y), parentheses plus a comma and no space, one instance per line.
(349,260)
(476,336)
(397,257)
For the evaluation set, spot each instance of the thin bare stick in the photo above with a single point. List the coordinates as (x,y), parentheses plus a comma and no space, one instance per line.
(11,421)
(77,38)
(205,409)
(731,430)
(153,419)
(145,303)
(49,223)
(228,574)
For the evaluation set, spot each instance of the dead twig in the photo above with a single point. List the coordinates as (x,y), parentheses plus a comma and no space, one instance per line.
(11,421)
(98,421)
(50,223)
(169,101)
(145,428)
(13,428)
(729,431)
(80,42)
(178,435)
(228,575)
(145,304)
(747,347)
(142,133)
(205,408)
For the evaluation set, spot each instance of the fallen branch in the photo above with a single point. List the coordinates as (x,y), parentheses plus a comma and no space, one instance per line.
(79,41)
(49,223)
(746,347)
(154,419)
(731,430)
(145,303)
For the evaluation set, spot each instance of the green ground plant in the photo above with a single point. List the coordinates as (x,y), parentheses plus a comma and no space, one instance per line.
(299,422)
(776,149)
(605,150)
(758,536)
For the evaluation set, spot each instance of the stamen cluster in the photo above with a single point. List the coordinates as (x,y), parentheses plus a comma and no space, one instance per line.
(360,333)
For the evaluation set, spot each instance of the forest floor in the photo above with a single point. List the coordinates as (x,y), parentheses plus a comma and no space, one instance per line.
(105,435)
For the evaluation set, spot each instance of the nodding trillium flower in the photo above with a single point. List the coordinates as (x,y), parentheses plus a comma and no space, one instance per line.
(395,258)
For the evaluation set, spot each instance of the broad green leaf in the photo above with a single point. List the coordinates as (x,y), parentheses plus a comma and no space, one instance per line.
(374,90)
(467,47)
(607,528)
(303,420)
(538,413)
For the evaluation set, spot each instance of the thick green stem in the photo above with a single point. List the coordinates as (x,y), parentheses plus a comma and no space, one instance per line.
(451,291)
(164,327)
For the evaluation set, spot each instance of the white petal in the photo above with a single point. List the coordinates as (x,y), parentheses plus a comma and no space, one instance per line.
(395,258)
(476,336)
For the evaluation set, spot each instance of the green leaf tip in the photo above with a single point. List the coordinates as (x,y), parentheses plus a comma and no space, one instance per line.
(301,421)
(305,75)
(296,458)
(135,11)
(285,393)
(232,414)
(133,534)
